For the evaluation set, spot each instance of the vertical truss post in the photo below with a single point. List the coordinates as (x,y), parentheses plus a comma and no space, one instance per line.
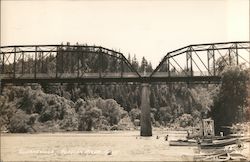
(168,66)
(62,61)
(191,60)
(3,63)
(208,61)
(100,62)
(42,63)
(122,66)
(237,54)
(14,64)
(187,61)
(71,55)
(35,61)
(249,53)
(229,55)
(213,55)
(102,65)
(57,50)
(78,64)
(210,55)
(22,62)
(189,57)
(28,64)
(82,57)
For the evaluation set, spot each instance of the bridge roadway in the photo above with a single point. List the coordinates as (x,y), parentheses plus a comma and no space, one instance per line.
(106,78)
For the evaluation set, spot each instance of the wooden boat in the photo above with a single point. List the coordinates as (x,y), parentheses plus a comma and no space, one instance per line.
(221,155)
(219,143)
(211,138)
(245,139)
(221,137)
(183,143)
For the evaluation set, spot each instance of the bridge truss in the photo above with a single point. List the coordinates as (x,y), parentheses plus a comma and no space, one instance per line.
(95,64)
(207,60)
(63,63)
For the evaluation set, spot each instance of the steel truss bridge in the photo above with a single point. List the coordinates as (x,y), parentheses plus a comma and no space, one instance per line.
(95,64)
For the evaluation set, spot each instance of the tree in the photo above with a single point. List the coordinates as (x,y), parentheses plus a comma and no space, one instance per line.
(129,58)
(149,67)
(231,100)
(224,62)
(7,110)
(144,64)
(92,117)
(19,123)
(164,115)
(89,115)
(135,63)
(185,120)
(112,111)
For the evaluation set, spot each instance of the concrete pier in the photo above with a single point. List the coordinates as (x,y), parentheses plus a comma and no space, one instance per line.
(146,128)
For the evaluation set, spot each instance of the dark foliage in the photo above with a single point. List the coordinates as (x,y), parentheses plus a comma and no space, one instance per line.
(230,103)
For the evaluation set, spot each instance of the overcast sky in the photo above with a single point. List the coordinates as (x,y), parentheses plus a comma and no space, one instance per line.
(145,28)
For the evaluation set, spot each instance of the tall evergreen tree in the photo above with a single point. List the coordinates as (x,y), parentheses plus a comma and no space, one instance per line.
(144,64)
(129,58)
(135,63)
(149,67)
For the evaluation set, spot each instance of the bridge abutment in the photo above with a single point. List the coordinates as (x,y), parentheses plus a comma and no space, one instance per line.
(146,128)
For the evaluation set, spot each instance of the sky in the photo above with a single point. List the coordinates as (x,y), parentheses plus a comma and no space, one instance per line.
(142,27)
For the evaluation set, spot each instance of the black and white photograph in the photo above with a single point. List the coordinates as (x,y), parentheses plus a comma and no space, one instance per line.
(124,80)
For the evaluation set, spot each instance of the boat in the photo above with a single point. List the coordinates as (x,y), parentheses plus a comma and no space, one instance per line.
(245,139)
(220,155)
(183,143)
(218,143)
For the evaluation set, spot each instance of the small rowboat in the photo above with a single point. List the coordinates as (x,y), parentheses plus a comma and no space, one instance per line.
(219,143)
(216,156)
(183,143)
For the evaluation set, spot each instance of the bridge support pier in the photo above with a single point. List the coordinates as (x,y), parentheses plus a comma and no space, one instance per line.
(146,128)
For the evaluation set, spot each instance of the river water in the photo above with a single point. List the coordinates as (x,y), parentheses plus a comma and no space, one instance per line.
(94,146)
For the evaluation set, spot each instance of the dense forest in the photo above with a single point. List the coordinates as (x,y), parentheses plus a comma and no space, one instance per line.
(85,107)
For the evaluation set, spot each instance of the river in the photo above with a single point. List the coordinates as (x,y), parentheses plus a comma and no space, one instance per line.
(94,146)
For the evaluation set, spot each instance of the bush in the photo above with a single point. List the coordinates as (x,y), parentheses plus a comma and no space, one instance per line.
(19,122)
(125,124)
(135,115)
(185,120)
(70,120)
(114,127)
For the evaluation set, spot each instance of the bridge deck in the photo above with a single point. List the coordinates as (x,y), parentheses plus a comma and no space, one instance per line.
(108,77)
